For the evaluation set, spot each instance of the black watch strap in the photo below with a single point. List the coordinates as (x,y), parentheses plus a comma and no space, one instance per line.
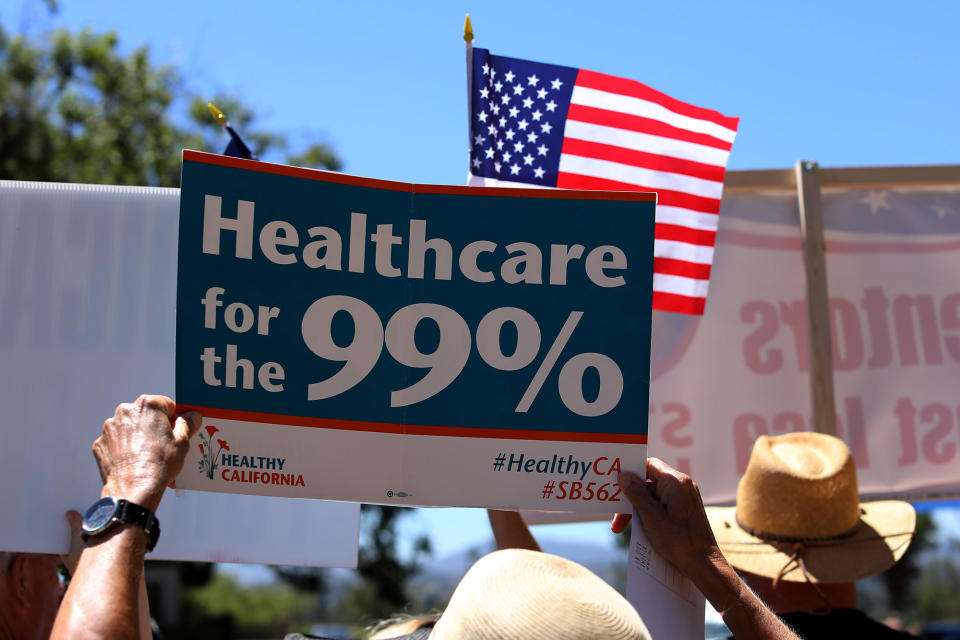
(132,513)
(126,512)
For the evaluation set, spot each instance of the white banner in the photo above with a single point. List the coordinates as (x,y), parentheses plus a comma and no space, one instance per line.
(87,291)
(742,370)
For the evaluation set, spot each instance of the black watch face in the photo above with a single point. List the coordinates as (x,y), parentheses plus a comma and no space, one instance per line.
(99,514)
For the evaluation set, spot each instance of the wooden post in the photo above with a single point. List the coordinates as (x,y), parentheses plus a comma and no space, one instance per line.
(818,300)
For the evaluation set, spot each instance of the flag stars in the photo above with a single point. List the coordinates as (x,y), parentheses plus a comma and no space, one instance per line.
(476,163)
(513,112)
(536,115)
(518,146)
(498,86)
(517,89)
(496,167)
(509,77)
(876,200)
(484,93)
(482,116)
(505,98)
(556,84)
(499,145)
(528,159)
(489,153)
(546,127)
(533,80)
(486,69)
(551,105)
(538,173)
(542,150)
(492,130)
(506,156)
(527,103)
(514,169)
(541,93)
(522,124)
(532,137)
(509,134)
(478,139)
(495,109)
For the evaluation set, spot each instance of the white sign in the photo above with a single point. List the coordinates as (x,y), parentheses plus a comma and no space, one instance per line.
(742,370)
(87,290)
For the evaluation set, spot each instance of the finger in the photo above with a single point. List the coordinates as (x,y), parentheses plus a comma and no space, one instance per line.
(186,425)
(620,522)
(638,495)
(664,478)
(75,520)
(97,457)
(160,403)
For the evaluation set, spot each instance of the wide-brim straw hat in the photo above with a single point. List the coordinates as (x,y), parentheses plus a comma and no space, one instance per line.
(799,518)
(520,594)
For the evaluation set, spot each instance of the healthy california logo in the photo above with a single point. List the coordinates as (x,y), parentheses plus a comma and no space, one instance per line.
(208,461)
(251,469)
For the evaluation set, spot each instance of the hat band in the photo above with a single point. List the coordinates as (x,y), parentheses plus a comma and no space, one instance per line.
(776,537)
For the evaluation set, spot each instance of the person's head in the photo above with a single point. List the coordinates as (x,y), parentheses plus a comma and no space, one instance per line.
(30,593)
(519,594)
(798,516)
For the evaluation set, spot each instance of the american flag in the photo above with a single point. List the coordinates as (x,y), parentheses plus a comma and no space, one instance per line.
(552,126)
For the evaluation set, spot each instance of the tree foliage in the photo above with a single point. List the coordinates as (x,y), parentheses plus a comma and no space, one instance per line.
(379,563)
(77,109)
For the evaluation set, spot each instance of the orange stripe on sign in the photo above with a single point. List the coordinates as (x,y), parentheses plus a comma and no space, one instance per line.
(411,429)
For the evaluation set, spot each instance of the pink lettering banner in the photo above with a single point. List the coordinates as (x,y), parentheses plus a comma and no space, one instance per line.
(742,370)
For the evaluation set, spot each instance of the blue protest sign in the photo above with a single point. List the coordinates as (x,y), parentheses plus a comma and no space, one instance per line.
(365,340)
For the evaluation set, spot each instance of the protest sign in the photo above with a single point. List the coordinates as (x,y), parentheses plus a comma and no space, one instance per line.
(365,340)
(742,370)
(87,296)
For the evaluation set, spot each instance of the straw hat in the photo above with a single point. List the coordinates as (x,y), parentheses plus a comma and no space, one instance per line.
(515,593)
(799,517)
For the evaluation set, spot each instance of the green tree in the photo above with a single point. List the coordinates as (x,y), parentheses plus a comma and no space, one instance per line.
(379,564)
(76,109)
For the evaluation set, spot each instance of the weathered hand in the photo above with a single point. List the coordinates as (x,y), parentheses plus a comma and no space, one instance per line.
(670,507)
(142,449)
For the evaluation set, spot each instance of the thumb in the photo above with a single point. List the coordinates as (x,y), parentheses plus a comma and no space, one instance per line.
(74,519)
(186,425)
(637,493)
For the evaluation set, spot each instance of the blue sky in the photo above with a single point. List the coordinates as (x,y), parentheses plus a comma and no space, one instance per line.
(845,83)
(848,83)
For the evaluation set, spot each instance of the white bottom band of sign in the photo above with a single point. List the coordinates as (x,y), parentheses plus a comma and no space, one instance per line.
(234,456)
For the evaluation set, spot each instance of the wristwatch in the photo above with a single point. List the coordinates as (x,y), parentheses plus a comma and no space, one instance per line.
(106,512)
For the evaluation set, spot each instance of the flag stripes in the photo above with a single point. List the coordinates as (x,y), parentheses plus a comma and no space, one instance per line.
(619,135)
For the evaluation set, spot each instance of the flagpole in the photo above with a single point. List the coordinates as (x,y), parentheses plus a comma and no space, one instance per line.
(468,41)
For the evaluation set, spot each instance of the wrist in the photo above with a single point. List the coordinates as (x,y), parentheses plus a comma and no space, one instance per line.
(144,496)
(716,579)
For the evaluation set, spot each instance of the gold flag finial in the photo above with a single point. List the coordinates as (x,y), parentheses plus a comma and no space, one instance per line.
(217,114)
(467,30)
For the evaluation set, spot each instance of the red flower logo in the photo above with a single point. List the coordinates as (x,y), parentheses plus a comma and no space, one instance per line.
(210,461)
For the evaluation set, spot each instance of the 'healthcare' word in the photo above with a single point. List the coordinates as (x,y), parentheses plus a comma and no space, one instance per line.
(279,242)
